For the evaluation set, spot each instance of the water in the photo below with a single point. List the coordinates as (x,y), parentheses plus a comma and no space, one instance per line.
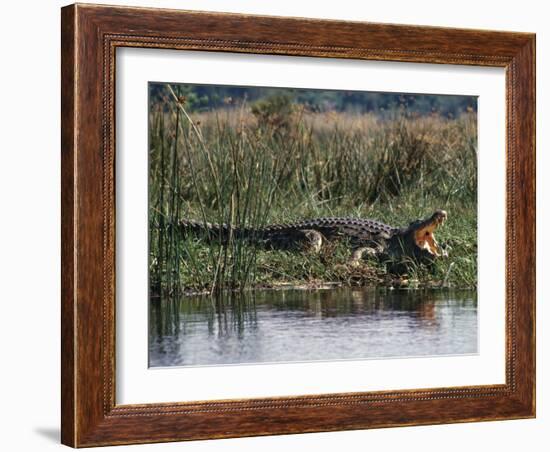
(298,325)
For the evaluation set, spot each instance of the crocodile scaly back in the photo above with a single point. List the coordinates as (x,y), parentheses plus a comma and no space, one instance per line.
(331,227)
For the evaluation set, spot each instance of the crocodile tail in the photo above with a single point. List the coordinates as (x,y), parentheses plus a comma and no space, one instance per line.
(212,230)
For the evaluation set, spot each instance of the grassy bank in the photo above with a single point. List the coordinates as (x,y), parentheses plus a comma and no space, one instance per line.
(275,161)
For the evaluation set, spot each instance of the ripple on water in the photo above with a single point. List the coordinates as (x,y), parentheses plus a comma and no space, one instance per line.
(298,325)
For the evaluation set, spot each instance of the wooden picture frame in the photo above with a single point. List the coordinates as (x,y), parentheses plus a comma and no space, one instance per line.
(90,36)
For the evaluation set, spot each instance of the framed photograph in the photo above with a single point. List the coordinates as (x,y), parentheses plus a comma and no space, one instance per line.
(282,225)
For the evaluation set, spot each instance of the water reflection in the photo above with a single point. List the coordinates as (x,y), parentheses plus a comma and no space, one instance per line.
(298,325)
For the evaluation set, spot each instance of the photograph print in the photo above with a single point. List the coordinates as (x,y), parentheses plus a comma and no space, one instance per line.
(292,225)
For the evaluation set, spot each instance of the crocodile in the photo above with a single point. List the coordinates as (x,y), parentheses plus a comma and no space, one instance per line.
(368,238)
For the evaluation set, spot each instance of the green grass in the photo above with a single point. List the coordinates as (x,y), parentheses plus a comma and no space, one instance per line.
(250,165)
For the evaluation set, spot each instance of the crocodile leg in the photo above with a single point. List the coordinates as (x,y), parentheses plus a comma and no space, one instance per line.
(313,240)
(361,253)
(309,240)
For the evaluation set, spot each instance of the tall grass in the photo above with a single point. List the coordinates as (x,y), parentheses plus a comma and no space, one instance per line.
(274,161)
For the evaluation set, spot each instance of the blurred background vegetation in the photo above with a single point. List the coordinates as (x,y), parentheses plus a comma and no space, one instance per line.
(202,98)
(254,156)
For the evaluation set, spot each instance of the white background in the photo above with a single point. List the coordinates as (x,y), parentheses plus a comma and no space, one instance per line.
(137,384)
(29,178)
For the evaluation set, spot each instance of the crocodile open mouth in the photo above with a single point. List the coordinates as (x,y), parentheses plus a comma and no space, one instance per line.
(424,236)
